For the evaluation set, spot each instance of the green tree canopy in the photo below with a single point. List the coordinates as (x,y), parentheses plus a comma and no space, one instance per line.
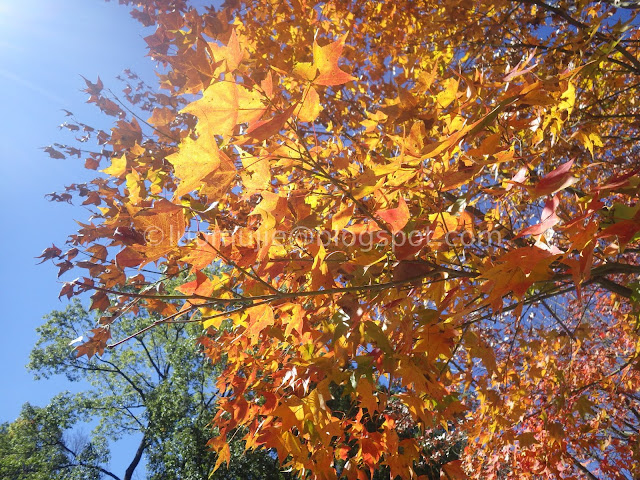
(37,446)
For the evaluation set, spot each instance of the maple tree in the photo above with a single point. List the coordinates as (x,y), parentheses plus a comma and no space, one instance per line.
(428,215)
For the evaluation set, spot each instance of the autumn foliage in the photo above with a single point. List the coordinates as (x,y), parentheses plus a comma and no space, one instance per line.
(426,219)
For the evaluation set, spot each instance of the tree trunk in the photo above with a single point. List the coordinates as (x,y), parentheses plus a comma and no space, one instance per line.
(136,459)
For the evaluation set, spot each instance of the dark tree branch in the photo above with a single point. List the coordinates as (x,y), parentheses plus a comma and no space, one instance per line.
(136,459)
(614,287)
(634,68)
(151,360)
(558,321)
(82,464)
(127,379)
(584,469)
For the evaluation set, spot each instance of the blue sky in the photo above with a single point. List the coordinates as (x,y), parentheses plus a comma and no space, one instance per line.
(45,46)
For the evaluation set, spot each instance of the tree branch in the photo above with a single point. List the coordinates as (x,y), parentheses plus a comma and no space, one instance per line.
(584,469)
(136,459)
(126,377)
(82,464)
(151,360)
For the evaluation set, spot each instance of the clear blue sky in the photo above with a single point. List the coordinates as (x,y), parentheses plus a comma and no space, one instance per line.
(45,45)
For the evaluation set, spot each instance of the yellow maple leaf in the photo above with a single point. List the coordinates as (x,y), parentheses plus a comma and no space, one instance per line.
(325,59)
(309,107)
(118,167)
(224,455)
(223,106)
(194,161)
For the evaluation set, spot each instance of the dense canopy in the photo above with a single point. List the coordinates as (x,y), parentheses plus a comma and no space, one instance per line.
(427,216)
